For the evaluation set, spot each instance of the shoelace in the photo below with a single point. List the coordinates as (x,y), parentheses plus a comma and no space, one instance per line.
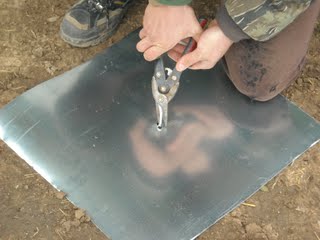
(100,6)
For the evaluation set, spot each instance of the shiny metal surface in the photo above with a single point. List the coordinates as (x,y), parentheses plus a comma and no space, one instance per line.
(91,132)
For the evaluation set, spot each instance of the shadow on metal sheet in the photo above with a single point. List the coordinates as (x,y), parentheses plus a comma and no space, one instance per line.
(91,132)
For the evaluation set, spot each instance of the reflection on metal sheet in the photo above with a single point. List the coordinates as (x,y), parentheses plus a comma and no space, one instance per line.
(91,132)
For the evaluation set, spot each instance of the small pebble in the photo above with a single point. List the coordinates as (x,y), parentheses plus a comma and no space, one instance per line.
(253,228)
(236,213)
(87,219)
(270,232)
(67,225)
(264,189)
(76,223)
(79,213)
(60,195)
(38,52)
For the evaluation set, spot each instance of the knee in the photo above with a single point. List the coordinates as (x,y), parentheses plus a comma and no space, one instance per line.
(261,92)
(267,87)
(262,96)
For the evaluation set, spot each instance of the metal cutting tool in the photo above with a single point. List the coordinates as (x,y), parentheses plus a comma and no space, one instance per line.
(165,83)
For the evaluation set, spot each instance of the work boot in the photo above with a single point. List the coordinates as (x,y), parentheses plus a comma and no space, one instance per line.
(90,22)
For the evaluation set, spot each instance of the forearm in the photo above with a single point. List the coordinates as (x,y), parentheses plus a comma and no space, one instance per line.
(260,20)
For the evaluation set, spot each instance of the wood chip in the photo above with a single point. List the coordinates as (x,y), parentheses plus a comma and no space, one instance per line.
(248,204)
(53,19)
(35,232)
(59,234)
(63,212)
(29,175)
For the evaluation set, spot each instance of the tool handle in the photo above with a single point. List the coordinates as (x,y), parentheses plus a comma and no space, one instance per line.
(192,44)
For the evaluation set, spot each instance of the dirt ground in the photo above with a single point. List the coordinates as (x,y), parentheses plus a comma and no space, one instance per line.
(30,208)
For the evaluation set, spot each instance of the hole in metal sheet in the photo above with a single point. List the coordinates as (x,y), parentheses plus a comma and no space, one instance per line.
(168,72)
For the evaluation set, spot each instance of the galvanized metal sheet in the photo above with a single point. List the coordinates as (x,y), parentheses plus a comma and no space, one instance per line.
(91,133)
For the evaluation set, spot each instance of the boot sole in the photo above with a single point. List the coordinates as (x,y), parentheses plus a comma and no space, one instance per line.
(81,43)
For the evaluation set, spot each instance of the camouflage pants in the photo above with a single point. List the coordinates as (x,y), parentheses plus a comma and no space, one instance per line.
(261,70)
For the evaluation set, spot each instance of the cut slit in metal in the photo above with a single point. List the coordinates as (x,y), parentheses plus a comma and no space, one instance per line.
(140,184)
(160,122)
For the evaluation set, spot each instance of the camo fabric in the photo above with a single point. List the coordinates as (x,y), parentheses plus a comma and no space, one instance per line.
(259,19)
(170,2)
(263,19)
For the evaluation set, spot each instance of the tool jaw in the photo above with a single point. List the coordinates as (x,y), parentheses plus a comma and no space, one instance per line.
(164,87)
(161,102)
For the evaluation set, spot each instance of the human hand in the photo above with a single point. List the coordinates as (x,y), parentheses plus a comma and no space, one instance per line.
(164,27)
(212,46)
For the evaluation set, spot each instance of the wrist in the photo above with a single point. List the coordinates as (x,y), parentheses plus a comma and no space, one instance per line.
(228,26)
(169,2)
(215,24)
(155,3)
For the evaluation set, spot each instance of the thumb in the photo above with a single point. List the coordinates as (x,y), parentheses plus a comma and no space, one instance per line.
(197,36)
(188,60)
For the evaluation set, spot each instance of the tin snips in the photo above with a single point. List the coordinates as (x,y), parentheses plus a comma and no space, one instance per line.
(165,83)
